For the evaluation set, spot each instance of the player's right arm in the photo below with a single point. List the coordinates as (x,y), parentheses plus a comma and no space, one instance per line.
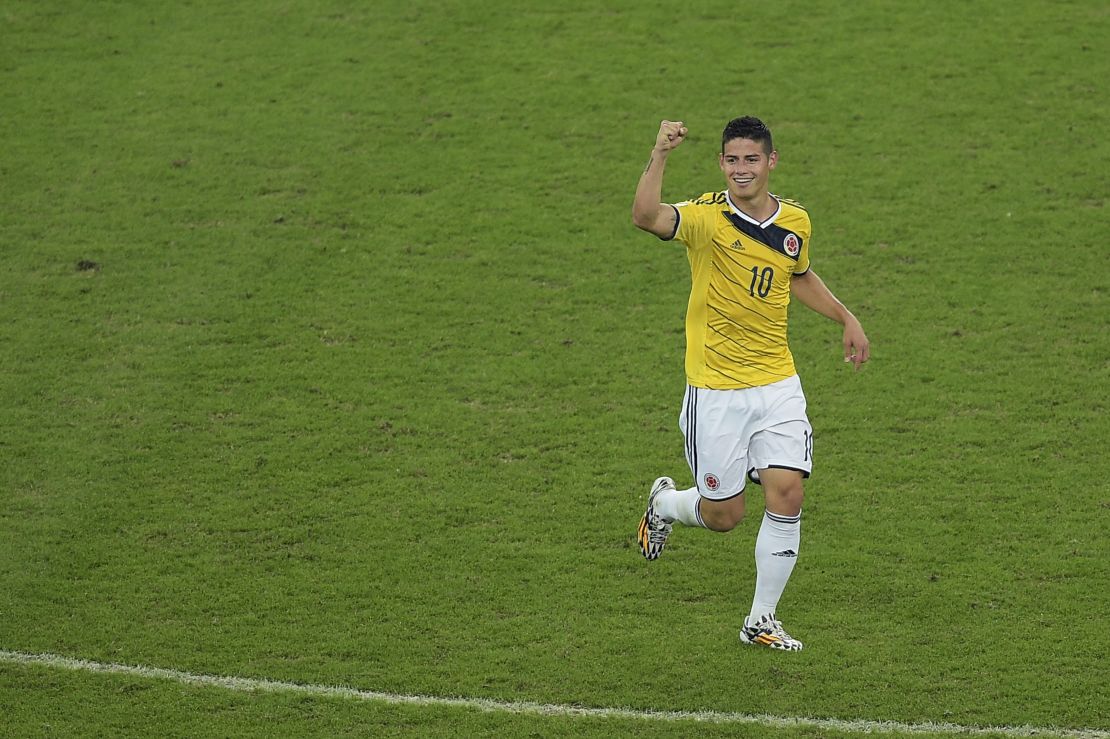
(647,212)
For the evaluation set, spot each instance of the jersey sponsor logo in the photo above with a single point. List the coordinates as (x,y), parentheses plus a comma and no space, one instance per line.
(712,482)
(791,245)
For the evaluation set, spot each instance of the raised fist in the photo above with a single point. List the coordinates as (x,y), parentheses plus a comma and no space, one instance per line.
(671,134)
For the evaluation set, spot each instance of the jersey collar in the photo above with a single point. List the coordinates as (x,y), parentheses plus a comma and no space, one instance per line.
(748,218)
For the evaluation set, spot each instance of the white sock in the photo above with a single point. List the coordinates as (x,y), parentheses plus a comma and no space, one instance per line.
(776,551)
(679,505)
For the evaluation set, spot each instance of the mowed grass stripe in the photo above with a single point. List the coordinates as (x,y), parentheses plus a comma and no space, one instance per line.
(243,684)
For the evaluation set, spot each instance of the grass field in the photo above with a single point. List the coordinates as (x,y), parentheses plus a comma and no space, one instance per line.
(329,356)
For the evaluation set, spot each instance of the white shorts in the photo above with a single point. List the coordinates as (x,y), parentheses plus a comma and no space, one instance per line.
(731,434)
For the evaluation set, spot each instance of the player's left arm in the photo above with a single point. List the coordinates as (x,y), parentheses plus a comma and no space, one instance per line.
(812,291)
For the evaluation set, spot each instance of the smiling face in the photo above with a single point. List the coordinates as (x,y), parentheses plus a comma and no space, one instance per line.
(747,167)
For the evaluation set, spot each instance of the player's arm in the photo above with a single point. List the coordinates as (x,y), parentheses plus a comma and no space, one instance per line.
(811,290)
(648,213)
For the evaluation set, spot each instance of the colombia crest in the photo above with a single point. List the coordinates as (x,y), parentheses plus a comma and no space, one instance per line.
(791,245)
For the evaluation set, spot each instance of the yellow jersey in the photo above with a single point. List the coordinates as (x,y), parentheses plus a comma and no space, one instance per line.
(740,272)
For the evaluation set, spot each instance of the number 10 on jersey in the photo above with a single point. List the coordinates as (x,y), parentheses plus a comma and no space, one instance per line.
(761,281)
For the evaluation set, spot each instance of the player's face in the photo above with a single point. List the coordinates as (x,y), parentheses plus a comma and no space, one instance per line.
(747,168)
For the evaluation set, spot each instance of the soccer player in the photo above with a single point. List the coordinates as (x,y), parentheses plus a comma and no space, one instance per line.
(744,414)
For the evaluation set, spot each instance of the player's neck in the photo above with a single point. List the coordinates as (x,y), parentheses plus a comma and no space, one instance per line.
(758,207)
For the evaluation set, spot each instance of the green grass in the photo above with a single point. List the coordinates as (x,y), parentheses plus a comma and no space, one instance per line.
(52,703)
(373,372)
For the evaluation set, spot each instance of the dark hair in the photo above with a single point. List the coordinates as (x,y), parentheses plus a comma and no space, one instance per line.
(748,127)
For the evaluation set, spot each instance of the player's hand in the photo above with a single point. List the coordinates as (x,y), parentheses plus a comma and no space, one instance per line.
(671,134)
(857,349)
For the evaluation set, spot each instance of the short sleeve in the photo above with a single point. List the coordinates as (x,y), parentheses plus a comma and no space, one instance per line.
(695,224)
(802,265)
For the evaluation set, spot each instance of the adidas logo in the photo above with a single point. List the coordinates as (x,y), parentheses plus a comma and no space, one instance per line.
(785,553)
(737,245)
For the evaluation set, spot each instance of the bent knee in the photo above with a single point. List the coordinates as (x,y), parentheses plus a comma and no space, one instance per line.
(727,525)
(723,520)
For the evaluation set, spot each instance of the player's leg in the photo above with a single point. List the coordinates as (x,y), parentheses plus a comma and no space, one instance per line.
(667,506)
(776,552)
(717,459)
(782,456)
(779,538)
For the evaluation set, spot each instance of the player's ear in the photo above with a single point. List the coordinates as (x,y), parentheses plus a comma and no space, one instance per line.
(772,159)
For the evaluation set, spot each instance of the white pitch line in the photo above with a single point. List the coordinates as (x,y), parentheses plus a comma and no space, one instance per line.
(250,685)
